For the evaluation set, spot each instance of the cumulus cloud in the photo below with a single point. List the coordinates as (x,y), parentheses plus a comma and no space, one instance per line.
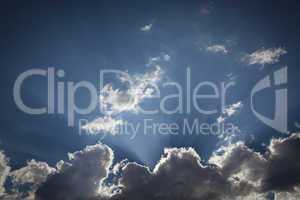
(264,56)
(283,172)
(31,176)
(178,175)
(147,28)
(217,49)
(233,172)
(79,178)
(24,181)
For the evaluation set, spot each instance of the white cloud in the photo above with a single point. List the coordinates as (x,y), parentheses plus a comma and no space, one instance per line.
(140,87)
(31,176)
(34,172)
(105,124)
(153,61)
(115,101)
(233,109)
(147,27)
(217,49)
(229,111)
(264,56)
(221,119)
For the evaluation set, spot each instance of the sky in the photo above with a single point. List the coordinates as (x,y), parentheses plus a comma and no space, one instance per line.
(96,68)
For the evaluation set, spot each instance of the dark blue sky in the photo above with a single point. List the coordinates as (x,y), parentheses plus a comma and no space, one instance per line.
(84,37)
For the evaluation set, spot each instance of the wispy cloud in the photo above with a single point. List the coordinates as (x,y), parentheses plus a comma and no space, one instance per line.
(217,48)
(264,56)
(115,101)
(140,87)
(147,27)
(229,111)
(153,61)
(105,124)
(233,108)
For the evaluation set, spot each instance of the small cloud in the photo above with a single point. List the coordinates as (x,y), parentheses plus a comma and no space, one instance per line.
(221,119)
(147,27)
(217,49)
(264,56)
(229,111)
(232,76)
(158,59)
(105,124)
(233,108)
(115,101)
(166,57)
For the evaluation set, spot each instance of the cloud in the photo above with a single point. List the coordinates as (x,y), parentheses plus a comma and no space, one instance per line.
(31,176)
(115,101)
(283,172)
(178,175)
(140,87)
(147,28)
(264,56)
(233,108)
(217,49)
(105,124)
(240,164)
(80,177)
(278,170)
(233,172)
(4,171)
(229,111)
(153,61)
(24,181)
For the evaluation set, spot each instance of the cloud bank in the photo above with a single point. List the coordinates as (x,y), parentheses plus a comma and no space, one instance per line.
(233,172)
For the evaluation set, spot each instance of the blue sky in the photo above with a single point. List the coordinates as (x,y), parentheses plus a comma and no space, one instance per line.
(219,41)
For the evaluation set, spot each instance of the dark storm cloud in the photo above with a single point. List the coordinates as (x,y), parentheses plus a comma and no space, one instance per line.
(283,169)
